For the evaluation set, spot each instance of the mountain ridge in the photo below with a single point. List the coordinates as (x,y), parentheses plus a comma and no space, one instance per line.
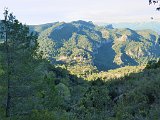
(79,44)
(153,25)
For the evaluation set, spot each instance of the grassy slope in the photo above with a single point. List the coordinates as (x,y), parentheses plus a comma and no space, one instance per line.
(116,73)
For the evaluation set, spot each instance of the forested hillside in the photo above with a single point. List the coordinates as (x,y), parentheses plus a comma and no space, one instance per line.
(35,83)
(84,48)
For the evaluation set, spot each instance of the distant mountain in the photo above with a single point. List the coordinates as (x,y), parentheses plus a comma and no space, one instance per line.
(155,26)
(83,47)
(40,28)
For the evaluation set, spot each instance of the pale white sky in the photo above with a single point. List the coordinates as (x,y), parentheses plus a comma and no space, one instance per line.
(45,11)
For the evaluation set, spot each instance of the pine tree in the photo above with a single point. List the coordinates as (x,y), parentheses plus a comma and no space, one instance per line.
(5,35)
(20,46)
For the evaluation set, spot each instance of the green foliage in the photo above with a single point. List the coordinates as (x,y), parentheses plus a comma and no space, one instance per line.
(153,64)
(94,98)
(62,94)
(116,73)
(139,102)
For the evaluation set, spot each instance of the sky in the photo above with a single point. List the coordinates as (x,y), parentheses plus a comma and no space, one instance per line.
(98,11)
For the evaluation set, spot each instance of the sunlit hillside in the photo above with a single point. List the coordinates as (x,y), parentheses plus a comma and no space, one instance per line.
(84,48)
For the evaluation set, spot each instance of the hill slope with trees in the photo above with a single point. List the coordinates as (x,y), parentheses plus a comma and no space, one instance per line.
(84,48)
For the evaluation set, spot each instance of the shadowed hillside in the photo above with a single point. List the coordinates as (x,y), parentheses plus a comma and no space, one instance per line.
(81,44)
